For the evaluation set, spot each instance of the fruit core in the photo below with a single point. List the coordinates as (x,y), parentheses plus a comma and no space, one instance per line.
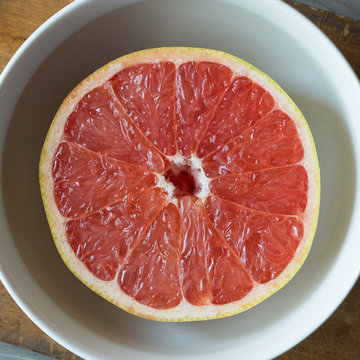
(185,176)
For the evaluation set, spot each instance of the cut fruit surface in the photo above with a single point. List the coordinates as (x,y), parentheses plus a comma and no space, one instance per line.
(181,184)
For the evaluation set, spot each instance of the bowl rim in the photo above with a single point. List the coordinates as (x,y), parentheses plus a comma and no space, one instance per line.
(347,250)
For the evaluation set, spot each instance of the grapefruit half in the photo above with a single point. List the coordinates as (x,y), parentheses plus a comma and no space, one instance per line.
(181,184)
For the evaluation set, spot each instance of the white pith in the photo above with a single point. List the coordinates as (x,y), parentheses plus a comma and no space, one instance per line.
(197,172)
(200,177)
(168,188)
(110,290)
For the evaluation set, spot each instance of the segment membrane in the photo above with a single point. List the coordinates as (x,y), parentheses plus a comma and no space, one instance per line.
(279,190)
(211,272)
(100,124)
(244,104)
(103,239)
(150,273)
(200,87)
(272,142)
(265,243)
(85,181)
(147,93)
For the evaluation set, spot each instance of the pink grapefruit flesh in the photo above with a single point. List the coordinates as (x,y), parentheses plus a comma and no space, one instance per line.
(181,184)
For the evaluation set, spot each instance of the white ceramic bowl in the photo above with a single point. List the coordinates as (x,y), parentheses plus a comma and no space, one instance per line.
(86,35)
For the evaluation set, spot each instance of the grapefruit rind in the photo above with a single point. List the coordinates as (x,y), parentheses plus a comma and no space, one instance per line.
(110,290)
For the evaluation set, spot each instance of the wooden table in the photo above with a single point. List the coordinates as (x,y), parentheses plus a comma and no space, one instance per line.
(338,338)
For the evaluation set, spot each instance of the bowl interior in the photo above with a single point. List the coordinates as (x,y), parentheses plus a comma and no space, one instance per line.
(74,313)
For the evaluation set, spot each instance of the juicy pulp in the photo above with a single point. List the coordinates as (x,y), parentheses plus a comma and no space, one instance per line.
(160,248)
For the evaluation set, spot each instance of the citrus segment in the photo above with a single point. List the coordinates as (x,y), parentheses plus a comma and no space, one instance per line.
(181,184)
(85,181)
(99,123)
(264,243)
(277,190)
(122,223)
(195,281)
(147,93)
(272,142)
(211,272)
(185,204)
(244,104)
(150,273)
(200,87)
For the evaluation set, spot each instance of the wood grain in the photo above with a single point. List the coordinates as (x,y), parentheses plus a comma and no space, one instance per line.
(349,8)
(337,338)
(344,32)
